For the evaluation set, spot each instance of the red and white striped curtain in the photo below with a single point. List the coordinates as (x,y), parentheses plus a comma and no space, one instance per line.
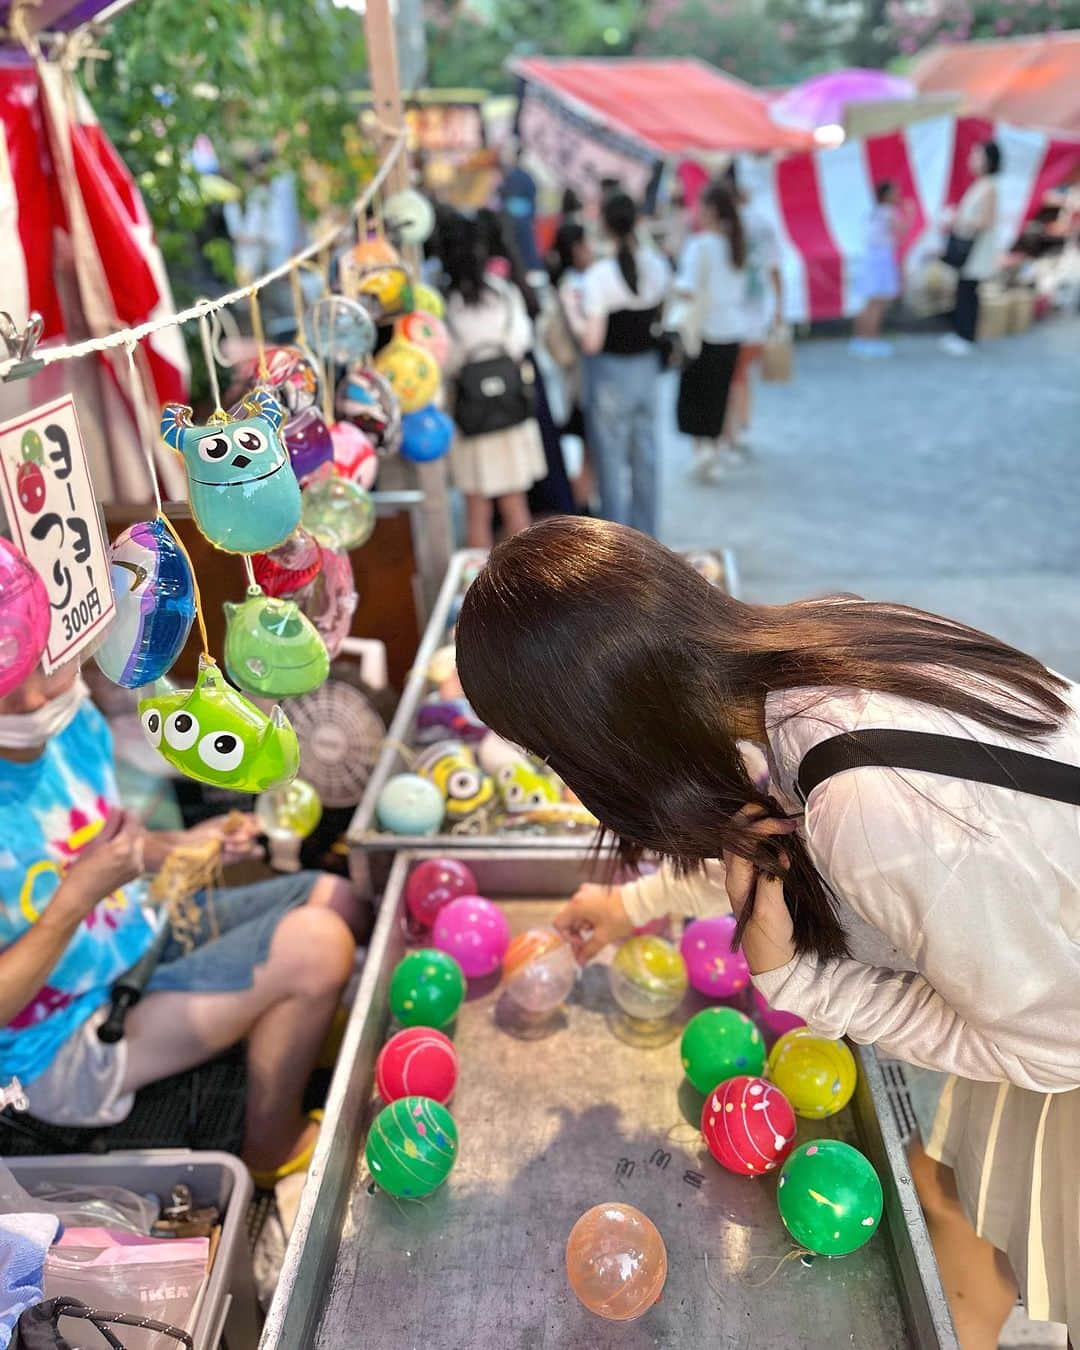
(76,245)
(819,203)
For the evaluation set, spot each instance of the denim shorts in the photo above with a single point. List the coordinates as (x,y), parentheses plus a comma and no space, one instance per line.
(245,918)
(82,1084)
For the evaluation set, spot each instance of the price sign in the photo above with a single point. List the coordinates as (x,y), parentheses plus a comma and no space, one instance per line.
(53,513)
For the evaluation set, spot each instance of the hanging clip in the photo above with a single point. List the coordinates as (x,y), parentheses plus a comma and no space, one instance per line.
(14,1094)
(21,345)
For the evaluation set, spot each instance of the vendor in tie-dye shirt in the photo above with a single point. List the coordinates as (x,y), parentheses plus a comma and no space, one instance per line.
(71,922)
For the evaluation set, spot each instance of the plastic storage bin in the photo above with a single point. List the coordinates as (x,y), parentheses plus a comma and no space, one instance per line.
(228,1312)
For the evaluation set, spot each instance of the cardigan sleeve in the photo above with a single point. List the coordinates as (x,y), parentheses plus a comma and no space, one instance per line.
(664,893)
(994,994)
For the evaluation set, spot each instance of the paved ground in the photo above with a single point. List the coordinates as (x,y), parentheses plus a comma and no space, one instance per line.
(952,485)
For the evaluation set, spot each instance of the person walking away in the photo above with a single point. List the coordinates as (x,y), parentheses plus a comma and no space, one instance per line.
(560,331)
(622,298)
(763,300)
(497,454)
(712,271)
(880,282)
(975,221)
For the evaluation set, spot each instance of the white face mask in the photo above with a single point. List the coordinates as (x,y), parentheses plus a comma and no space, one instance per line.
(28,731)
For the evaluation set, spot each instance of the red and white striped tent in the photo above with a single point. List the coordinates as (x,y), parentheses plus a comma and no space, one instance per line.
(76,244)
(819,202)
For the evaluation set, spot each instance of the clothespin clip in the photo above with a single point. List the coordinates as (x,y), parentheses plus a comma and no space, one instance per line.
(21,345)
(13,1094)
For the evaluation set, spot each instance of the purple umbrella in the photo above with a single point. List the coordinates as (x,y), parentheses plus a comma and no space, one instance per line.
(821,100)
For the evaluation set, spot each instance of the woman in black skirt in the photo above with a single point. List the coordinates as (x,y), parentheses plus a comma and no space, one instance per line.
(712,281)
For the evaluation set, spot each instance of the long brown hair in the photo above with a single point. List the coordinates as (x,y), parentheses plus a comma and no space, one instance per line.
(721,201)
(606,655)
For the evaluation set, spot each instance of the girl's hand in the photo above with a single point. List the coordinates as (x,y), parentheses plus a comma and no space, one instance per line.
(593,918)
(768,939)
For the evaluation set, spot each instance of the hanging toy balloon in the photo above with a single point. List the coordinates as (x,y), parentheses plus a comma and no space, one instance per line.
(426,331)
(372,272)
(330,599)
(291,376)
(244,495)
(829,1197)
(272,648)
(289,567)
(293,810)
(426,435)
(340,330)
(24,617)
(309,443)
(412,373)
(409,216)
(214,735)
(428,299)
(155,605)
(355,457)
(366,399)
(339,513)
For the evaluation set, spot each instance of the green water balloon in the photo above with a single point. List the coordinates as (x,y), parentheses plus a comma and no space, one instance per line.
(719,1043)
(829,1197)
(426,988)
(411,1146)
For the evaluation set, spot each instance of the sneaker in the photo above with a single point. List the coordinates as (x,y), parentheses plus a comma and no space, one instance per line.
(859,346)
(879,347)
(703,462)
(955,345)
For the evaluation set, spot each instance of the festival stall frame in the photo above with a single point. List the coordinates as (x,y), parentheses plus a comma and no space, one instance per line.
(590,118)
(362,1268)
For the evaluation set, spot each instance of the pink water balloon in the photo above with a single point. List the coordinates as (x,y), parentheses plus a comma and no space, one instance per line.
(775,1021)
(24,617)
(714,969)
(433,884)
(474,932)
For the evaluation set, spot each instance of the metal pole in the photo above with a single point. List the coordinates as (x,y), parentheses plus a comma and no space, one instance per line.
(433,542)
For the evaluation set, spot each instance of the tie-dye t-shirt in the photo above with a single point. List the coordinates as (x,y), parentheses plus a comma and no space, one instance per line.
(50,809)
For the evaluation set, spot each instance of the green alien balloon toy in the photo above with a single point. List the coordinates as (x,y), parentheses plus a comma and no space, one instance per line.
(214,735)
(272,648)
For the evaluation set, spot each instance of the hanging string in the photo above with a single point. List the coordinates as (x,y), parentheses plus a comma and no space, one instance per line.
(142,422)
(206,338)
(260,335)
(297,292)
(253,585)
(199,619)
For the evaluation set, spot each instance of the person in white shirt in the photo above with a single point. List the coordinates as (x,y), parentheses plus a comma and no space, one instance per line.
(621,298)
(933,915)
(880,279)
(763,304)
(975,220)
(712,278)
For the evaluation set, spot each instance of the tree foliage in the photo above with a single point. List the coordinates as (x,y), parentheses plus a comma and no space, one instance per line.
(249,76)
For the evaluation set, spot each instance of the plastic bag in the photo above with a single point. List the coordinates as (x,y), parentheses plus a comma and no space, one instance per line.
(87,1206)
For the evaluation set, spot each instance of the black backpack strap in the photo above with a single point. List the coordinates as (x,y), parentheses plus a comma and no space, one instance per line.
(950,756)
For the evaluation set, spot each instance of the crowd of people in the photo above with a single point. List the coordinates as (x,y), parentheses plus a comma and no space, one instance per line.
(589,336)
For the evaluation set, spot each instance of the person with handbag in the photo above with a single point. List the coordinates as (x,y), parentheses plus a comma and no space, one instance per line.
(622,297)
(497,454)
(972,247)
(908,876)
(711,284)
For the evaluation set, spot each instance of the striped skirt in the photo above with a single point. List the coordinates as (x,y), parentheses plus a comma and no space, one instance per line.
(1016,1156)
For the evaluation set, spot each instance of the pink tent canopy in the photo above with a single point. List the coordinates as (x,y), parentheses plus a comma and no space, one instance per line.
(821,100)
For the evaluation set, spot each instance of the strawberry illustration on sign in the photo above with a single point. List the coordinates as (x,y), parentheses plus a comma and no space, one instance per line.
(30,478)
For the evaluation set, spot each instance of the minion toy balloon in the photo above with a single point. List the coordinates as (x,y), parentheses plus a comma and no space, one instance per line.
(214,735)
(465,787)
(244,494)
(524,788)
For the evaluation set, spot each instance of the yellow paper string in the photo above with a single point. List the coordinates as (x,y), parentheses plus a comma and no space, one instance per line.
(260,335)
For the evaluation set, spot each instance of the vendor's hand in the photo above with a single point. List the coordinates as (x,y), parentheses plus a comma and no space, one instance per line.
(594,917)
(111,860)
(238,832)
(768,939)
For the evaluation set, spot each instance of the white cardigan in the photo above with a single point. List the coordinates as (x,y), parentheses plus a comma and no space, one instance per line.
(961,901)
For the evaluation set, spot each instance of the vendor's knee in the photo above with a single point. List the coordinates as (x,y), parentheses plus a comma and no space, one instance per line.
(341,896)
(312,952)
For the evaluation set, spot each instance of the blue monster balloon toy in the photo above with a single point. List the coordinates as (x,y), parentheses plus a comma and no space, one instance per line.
(244,493)
(155,605)
(426,434)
